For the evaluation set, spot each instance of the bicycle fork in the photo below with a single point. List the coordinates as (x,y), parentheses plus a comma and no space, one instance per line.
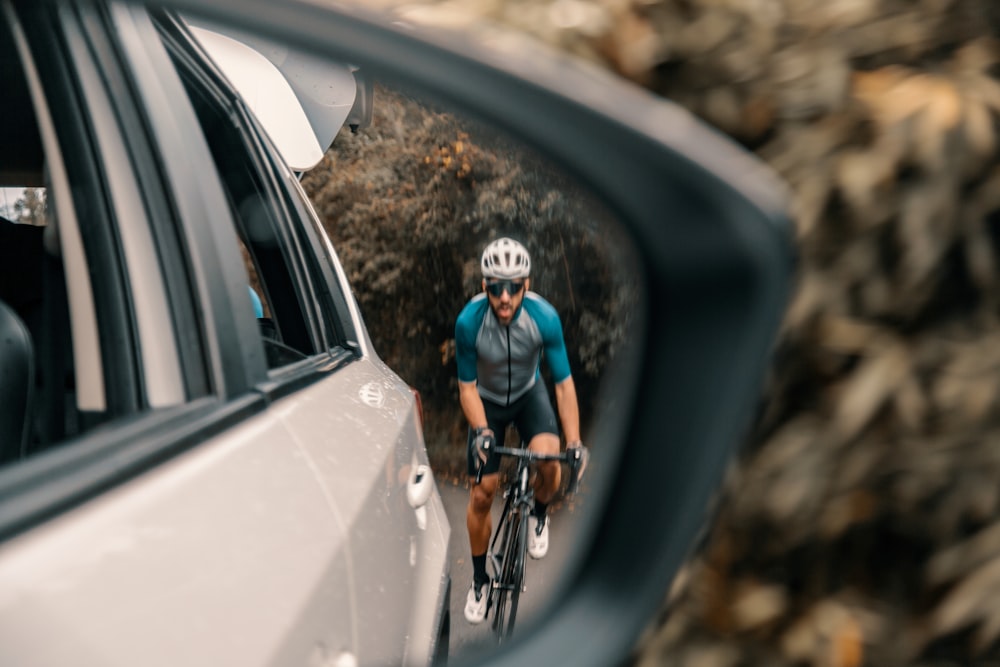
(524,494)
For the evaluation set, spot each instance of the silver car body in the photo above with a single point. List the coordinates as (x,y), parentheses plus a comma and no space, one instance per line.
(295,520)
(179,568)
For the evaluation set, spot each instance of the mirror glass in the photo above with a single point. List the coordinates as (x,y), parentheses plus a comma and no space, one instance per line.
(410,193)
(410,202)
(410,199)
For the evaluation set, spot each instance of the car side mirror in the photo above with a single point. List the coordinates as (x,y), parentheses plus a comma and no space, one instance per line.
(301,101)
(709,243)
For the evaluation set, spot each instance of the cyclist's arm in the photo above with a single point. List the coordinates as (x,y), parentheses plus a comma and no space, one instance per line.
(465,360)
(554,346)
(569,411)
(472,404)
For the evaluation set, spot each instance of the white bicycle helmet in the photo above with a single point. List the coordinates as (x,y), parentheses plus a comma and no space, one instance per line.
(506,258)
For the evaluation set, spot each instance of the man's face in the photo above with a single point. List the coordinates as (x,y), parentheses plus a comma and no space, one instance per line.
(505,296)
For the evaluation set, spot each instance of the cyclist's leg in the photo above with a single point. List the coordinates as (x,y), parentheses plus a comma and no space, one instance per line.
(477,515)
(479,524)
(536,423)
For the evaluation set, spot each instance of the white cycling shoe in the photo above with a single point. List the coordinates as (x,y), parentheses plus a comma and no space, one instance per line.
(538,541)
(475,603)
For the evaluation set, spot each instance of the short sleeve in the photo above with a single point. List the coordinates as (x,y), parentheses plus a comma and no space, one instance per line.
(466,328)
(553,343)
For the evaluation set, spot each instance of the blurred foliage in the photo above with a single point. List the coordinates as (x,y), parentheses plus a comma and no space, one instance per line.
(860,524)
(412,201)
(31,208)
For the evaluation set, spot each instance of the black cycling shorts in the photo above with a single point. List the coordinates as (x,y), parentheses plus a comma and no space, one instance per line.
(531,414)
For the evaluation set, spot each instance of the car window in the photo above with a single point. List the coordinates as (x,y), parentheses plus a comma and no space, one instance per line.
(51,282)
(257,214)
(94,286)
(29,289)
(288,289)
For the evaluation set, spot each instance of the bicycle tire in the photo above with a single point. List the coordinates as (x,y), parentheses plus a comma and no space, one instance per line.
(512,577)
(501,583)
(505,584)
(519,549)
(498,590)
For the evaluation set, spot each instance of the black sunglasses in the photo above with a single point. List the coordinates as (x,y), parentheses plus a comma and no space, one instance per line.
(497,287)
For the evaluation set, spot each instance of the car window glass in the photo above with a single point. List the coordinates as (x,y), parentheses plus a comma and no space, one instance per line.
(335,316)
(42,406)
(30,287)
(62,272)
(297,296)
(275,275)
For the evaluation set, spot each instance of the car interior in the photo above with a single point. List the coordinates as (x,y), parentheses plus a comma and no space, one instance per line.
(40,407)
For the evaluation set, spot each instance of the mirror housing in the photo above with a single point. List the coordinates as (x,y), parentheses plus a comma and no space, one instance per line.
(301,101)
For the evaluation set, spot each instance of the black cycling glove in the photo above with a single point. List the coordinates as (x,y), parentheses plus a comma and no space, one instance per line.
(480,447)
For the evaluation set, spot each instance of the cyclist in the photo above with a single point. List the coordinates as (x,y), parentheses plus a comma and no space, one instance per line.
(500,337)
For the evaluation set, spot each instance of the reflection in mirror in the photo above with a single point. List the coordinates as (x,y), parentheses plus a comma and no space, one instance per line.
(410,198)
(410,203)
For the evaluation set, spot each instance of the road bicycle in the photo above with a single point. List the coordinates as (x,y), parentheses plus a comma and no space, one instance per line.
(509,545)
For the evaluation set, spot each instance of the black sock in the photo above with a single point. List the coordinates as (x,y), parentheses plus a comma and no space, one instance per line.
(540,509)
(479,570)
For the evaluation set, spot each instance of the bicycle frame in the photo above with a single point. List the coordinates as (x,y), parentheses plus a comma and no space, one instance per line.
(512,532)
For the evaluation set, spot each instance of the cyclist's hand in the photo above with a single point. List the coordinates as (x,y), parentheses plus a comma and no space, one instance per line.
(481,445)
(578,456)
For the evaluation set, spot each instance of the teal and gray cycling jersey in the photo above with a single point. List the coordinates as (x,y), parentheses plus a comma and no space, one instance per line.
(504,360)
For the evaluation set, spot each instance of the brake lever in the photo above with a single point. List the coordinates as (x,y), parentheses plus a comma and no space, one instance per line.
(577,466)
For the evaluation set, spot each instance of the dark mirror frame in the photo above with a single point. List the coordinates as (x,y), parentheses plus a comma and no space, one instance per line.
(715,252)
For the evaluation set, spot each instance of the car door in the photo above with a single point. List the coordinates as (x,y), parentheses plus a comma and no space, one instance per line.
(362,429)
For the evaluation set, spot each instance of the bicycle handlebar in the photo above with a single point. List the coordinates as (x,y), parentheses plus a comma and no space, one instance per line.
(519,453)
(575,457)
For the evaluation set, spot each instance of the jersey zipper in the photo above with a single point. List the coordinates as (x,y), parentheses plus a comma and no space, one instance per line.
(509,381)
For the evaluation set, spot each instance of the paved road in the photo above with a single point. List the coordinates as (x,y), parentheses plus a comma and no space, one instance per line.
(540,575)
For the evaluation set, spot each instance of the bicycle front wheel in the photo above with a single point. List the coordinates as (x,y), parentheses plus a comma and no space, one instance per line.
(508,587)
(520,550)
